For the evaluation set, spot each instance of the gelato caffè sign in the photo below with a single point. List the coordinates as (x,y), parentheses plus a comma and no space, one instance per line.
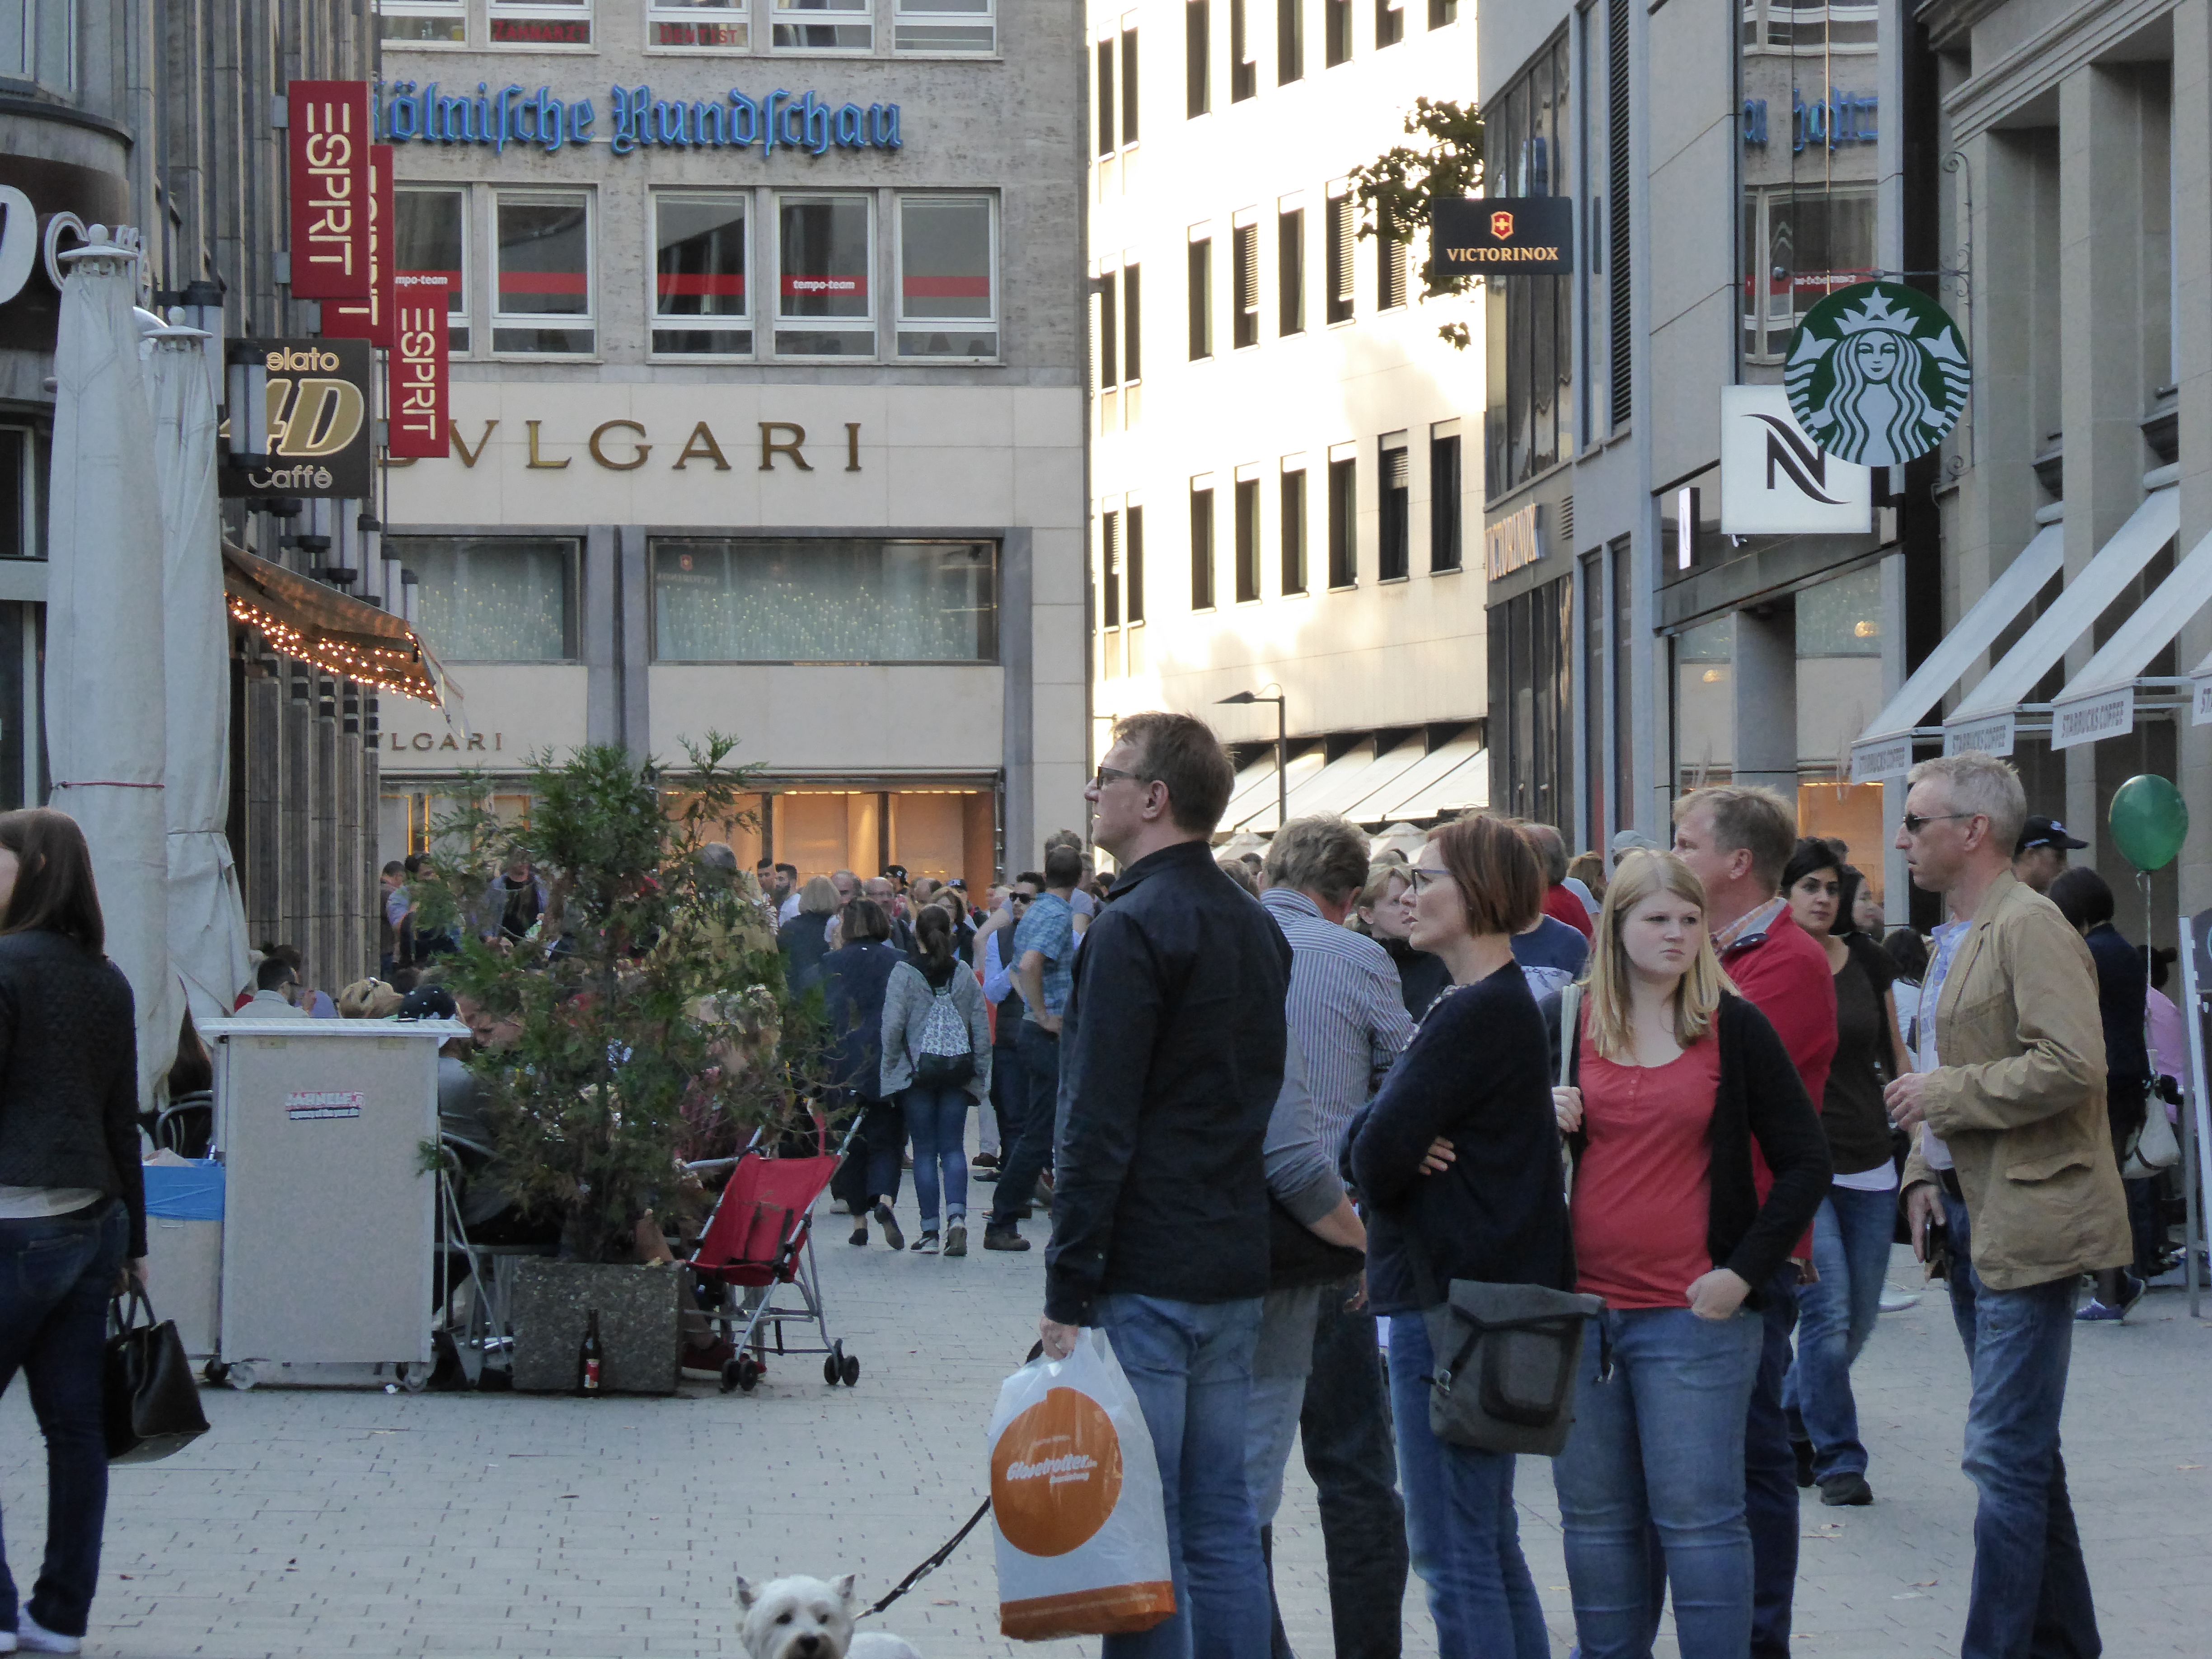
(409,111)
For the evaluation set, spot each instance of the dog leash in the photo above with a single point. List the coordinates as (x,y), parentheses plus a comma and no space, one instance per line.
(931,1565)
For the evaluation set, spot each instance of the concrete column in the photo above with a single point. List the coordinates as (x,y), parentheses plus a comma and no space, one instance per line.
(2192,196)
(634,585)
(602,611)
(260,861)
(294,904)
(1017,654)
(1764,684)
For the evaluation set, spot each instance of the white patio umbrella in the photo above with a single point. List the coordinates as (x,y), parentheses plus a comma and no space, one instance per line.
(104,638)
(207,938)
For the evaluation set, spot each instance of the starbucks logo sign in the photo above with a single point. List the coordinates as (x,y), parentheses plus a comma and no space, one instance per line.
(1877,373)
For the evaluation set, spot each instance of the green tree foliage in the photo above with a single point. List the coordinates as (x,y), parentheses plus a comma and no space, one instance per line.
(1397,189)
(645,1021)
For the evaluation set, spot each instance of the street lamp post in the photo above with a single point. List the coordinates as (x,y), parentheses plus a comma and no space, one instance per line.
(1282,748)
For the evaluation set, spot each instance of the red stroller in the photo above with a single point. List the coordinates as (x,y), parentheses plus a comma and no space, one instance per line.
(759,1238)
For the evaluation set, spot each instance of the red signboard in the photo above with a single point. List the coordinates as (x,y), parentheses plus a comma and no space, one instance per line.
(370,319)
(419,379)
(328,126)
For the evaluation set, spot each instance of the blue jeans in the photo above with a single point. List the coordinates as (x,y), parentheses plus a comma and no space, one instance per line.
(1836,1314)
(55,1277)
(1027,1147)
(1190,1364)
(937,1120)
(1344,1424)
(1659,1446)
(2031,1590)
(1464,1537)
(1770,1476)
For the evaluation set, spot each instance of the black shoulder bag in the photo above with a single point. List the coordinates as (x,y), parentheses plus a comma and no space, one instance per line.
(153,1402)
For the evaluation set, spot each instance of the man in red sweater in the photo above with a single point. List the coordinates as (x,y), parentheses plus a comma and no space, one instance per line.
(1559,901)
(1737,840)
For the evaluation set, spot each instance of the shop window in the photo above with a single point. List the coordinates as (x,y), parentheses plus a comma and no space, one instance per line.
(543,281)
(1197,30)
(823,26)
(493,598)
(825,306)
(1394,557)
(1291,272)
(1445,514)
(1291,532)
(1838,625)
(823,600)
(1342,231)
(1336,32)
(699,299)
(1201,547)
(1290,41)
(1704,703)
(1343,523)
(965,27)
(1389,22)
(1201,298)
(541,23)
(409,22)
(1248,540)
(25,457)
(700,24)
(1530,359)
(430,238)
(948,259)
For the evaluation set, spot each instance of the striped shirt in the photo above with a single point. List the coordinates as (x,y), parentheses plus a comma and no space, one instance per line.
(1346,1008)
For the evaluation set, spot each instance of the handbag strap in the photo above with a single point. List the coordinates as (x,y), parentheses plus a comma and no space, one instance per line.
(125,1306)
(1570,1012)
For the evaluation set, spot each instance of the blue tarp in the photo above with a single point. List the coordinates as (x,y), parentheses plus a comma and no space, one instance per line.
(184,1192)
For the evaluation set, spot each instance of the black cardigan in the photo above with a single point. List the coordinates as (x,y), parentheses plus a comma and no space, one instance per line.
(1479,1072)
(68,1073)
(1761,1098)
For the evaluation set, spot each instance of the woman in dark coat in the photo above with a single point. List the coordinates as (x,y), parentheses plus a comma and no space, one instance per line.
(72,1196)
(854,979)
(804,939)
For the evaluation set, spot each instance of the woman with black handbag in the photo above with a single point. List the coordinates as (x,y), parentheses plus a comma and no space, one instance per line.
(1477,1078)
(72,1196)
(1674,1077)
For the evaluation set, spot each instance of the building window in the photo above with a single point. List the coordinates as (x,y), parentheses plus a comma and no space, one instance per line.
(1201,298)
(1342,231)
(1291,272)
(1389,22)
(1201,547)
(1133,366)
(25,779)
(413,23)
(1248,540)
(823,599)
(1244,67)
(1530,426)
(1394,557)
(430,238)
(541,23)
(1336,32)
(948,296)
(1197,30)
(25,457)
(1444,514)
(1109,332)
(1291,534)
(1531,670)
(1104,103)
(1128,86)
(964,26)
(1441,12)
(493,598)
(1290,41)
(824,307)
(715,25)
(1244,277)
(1389,267)
(1133,578)
(699,274)
(1343,522)
(1109,570)
(1801,242)
(543,281)
(823,25)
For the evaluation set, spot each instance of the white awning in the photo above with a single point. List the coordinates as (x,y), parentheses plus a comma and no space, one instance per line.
(2100,701)
(1884,750)
(1254,808)
(1352,777)
(2200,692)
(1249,777)
(1988,718)
(1451,778)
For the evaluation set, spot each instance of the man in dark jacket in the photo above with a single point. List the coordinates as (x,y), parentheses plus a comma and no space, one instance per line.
(1171,1059)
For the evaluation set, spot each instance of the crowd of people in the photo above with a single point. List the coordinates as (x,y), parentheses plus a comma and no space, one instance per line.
(1272,1100)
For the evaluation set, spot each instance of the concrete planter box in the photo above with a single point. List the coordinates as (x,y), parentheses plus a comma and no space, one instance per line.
(638,1330)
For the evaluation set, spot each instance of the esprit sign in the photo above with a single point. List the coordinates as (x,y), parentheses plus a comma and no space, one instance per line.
(318,415)
(418,390)
(370,317)
(413,110)
(1503,236)
(328,124)
(1775,481)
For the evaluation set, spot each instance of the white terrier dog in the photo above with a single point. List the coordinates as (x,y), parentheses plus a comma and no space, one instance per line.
(807,1618)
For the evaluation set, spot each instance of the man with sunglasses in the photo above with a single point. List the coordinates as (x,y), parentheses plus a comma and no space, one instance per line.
(1043,953)
(2014,1162)
(1010,1089)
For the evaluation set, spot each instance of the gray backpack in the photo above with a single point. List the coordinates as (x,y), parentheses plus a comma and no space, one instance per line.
(947,1057)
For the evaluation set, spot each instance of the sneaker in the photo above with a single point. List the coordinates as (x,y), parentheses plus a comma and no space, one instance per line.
(893,1235)
(956,1239)
(1004,1238)
(1896,1301)
(984,1161)
(32,1637)
(2095,1312)
(860,1233)
(1846,1490)
(2131,1291)
(1804,1449)
(927,1244)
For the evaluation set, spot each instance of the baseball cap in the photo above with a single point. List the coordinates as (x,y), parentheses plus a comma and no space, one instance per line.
(2039,831)
(1625,842)
(428,1002)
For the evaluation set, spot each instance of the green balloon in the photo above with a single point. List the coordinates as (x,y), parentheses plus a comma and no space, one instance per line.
(2150,820)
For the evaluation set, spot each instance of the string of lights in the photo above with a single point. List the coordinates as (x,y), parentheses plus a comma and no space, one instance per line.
(394,668)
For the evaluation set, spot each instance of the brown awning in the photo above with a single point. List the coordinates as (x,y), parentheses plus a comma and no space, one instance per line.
(332,631)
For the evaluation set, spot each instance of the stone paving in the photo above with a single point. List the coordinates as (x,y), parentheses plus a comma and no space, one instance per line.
(320,1522)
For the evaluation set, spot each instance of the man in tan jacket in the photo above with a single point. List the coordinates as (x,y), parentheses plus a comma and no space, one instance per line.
(2015,1162)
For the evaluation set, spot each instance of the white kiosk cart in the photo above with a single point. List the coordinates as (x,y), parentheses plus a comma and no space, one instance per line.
(328,1204)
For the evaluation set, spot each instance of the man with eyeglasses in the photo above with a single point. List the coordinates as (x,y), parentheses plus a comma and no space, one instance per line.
(1173,1049)
(2014,1162)
(1009,1084)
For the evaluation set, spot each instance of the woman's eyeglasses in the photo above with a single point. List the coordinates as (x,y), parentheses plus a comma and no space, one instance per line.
(1420,877)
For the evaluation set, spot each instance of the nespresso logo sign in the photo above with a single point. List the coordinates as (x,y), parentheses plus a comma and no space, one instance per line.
(625,445)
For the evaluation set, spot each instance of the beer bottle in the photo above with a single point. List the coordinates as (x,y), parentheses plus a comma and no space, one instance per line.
(588,1357)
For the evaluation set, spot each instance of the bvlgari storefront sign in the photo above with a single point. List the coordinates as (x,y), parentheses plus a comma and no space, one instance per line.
(318,420)
(623,445)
